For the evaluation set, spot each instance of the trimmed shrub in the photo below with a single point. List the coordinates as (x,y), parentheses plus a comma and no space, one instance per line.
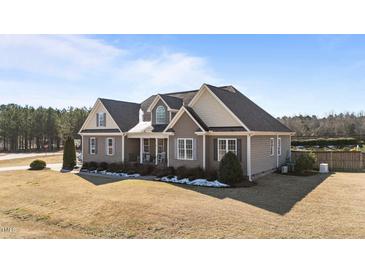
(305,162)
(162,172)
(211,175)
(93,165)
(85,165)
(145,169)
(69,154)
(195,173)
(115,167)
(103,166)
(37,165)
(322,142)
(182,172)
(230,170)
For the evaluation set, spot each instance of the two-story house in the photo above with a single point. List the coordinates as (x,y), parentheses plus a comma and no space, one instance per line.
(189,128)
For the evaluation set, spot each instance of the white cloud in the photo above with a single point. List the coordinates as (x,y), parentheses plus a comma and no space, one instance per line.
(169,70)
(53,55)
(64,68)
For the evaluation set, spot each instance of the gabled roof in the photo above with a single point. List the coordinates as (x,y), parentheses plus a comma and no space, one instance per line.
(191,114)
(172,102)
(197,118)
(251,115)
(125,114)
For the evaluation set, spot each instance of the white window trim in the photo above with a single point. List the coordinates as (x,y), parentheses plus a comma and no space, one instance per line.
(279,146)
(164,118)
(107,146)
(272,145)
(101,114)
(185,154)
(226,141)
(90,145)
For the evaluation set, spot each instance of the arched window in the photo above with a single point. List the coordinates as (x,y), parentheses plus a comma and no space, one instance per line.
(160,115)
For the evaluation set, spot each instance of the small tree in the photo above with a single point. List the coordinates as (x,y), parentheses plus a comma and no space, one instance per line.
(69,154)
(230,170)
(305,162)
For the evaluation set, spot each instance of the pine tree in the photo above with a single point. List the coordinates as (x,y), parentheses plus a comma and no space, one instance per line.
(230,170)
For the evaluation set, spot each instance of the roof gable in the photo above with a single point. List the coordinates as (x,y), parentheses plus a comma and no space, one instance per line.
(254,117)
(125,114)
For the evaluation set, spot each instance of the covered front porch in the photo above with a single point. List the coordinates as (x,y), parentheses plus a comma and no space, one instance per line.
(153,151)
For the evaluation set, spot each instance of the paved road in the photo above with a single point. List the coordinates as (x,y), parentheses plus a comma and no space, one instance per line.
(56,167)
(9,156)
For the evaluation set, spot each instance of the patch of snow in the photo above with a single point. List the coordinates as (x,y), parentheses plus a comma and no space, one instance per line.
(116,174)
(196,182)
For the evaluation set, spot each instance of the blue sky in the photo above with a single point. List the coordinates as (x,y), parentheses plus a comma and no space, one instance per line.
(285,74)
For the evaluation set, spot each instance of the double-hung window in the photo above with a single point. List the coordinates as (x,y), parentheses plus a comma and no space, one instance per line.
(185,148)
(101,119)
(109,146)
(92,145)
(272,147)
(225,145)
(279,146)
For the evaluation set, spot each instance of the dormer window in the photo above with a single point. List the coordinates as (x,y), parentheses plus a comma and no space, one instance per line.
(101,119)
(161,115)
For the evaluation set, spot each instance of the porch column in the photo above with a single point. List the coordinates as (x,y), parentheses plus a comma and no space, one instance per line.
(168,151)
(204,156)
(123,146)
(156,150)
(277,154)
(140,150)
(249,174)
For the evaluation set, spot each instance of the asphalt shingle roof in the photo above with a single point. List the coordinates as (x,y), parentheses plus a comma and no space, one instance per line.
(254,117)
(172,102)
(125,114)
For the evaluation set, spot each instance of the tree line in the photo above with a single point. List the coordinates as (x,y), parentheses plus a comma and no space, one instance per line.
(25,128)
(333,125)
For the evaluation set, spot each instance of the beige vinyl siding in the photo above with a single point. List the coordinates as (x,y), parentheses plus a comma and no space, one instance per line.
(101,155)
(186,128)
(91,123)
(261,160)
(212,112)
(213,164)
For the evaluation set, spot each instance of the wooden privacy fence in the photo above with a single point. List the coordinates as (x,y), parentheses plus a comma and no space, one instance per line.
(337,160)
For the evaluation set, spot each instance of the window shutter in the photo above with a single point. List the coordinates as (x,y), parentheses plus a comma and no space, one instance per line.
(215,149)
(96,145)
(104,119)
(239,153)
(194,149)
(97,119)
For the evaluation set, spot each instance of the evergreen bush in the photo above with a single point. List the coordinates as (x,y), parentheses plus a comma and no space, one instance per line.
(37,165)
(69,154)
(230,170)
(305,162)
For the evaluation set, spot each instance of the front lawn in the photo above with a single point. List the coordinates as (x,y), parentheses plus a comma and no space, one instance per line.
(49,204)
(52,159)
